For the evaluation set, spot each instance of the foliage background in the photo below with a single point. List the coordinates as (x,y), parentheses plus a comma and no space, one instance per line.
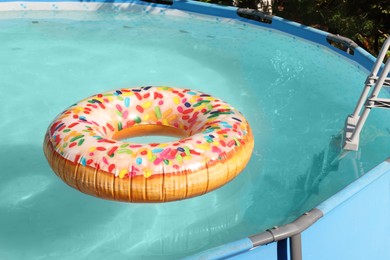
(367,22)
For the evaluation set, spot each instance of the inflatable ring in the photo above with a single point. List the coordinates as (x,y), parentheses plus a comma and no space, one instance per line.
(83,144)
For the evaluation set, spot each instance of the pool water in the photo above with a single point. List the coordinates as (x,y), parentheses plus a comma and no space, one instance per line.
(296,96)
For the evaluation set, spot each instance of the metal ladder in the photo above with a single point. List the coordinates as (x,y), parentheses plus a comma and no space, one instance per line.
(355,122)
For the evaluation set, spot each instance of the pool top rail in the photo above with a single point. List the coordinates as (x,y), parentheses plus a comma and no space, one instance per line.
(344,46)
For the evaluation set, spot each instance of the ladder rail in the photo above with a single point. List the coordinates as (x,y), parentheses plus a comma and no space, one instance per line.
(371,79)
(381,80)
(355,122)
(370,104)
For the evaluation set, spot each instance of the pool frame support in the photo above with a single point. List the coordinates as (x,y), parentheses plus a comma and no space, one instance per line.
(285,236)
(296,247)
(291,232)
(295,243)
(254,15)
(342,43)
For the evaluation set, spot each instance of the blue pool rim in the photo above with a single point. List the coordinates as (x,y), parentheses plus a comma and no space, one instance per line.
(359,57)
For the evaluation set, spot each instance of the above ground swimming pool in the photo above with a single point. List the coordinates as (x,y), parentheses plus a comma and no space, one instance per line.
(295,94)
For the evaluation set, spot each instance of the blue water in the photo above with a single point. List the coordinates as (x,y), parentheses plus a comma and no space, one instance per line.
(295,95)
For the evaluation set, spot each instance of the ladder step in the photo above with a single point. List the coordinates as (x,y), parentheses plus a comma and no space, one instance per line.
(387,82)
(372,80)
(349,129)
(379,103)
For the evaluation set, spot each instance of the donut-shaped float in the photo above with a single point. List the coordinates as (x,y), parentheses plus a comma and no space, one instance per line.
(83,144)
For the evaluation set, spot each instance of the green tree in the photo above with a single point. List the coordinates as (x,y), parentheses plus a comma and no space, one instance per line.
(364,21)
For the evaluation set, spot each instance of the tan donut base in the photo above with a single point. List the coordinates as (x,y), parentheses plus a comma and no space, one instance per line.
(156,188)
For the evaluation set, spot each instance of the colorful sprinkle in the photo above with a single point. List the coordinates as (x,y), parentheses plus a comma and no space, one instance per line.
(111,168)
(122,173)
(147,172)
(137,119)
(157,111)
(139,108)
(147,104)
(138,161)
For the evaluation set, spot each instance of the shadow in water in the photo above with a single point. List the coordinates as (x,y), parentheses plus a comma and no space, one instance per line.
(40,216)
(286,191)
(323,164)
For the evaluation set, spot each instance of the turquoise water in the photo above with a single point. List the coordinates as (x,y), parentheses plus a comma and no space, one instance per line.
(296,95)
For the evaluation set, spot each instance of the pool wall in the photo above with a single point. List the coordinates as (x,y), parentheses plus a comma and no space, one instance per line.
(352,224)
(355,225)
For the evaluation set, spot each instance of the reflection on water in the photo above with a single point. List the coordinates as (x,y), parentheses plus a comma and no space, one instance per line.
(39,211)
(20,181)
(20,190)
